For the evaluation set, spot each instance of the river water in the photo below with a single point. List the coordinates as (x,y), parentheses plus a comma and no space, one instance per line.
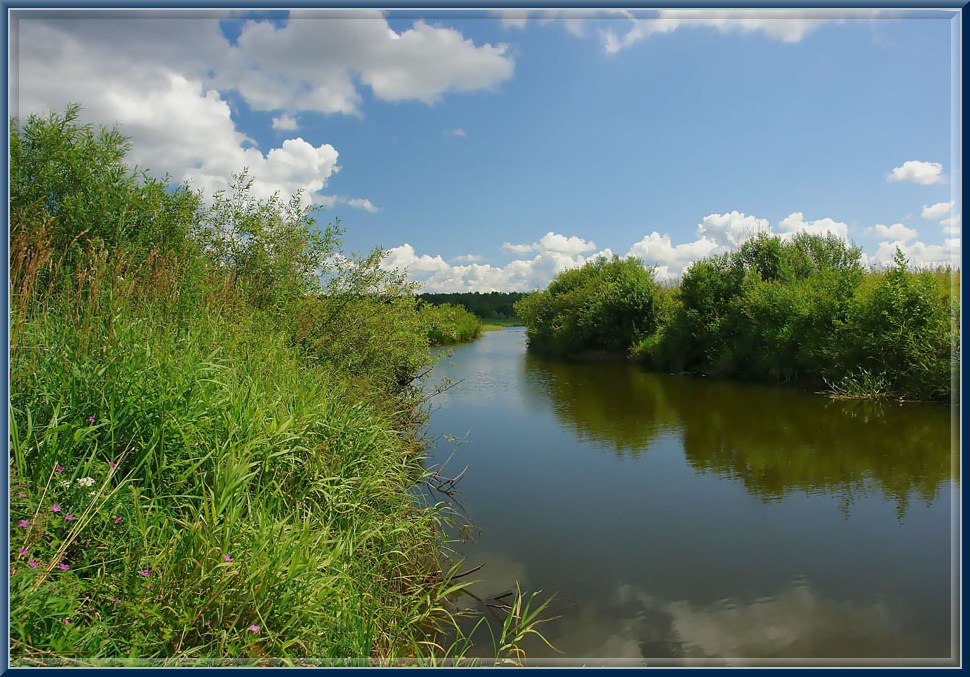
(681,520)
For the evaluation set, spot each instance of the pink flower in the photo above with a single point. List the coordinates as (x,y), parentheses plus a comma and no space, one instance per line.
(227,558)
(116,601)
(24,551)
(90,419)
(55,508)
(70,518)
(145,572)
(21,495)
(59,468)
(253,628)
(23,524)
(33,563)
(117,520)
(112,464)
(63,567)
(67,621)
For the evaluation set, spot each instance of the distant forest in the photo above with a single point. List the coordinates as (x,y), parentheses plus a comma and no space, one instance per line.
(489,306)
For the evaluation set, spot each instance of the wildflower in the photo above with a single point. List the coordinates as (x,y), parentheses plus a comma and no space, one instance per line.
(59,468)
(117,520)
(116,601)
(227,558)
(85,481)
(90,419)
(63,567)
(55,508)
(112,464)
(65,483)
(24,551)
(21,495)
(70,518)
(253,628)
(67,621)
(23,524)
(145,572)
(33,563)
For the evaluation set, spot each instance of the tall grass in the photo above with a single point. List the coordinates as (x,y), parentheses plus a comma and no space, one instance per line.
(200,474)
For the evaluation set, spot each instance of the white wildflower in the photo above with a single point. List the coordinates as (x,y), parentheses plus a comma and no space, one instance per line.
(86,481)
(65,483)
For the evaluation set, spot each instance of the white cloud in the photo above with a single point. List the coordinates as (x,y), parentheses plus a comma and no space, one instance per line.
(459,132)
(951,225)
(917,171)
(670,259)
(285,123)
(363,203)
(169,93)
(897,232)
(731,229)
(920,254)
(787,25)
(937,211)
(553,254)
(796,223)
(552,243)
(513,18)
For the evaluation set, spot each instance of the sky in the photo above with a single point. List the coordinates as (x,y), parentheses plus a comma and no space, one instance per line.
(490,150)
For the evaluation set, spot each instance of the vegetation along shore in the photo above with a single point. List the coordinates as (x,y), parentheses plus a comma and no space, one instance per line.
(800,310)
(214,426)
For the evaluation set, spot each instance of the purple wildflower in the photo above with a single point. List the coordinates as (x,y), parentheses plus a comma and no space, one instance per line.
(227,558)
(33,563)
(24,551)
(145,572)
(116,601)
(63,567)
(253,628)
(21,495)
(55,508)
(90,419)
(23,524)
(67,621)
(117,520)
(112,464)
(59,468)
(70,518)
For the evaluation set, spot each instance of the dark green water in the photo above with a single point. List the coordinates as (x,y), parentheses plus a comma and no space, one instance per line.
(682,520)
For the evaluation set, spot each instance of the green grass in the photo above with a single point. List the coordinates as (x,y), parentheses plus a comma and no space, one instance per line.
(211,459)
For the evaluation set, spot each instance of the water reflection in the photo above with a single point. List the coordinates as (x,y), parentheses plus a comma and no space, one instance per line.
(774,440)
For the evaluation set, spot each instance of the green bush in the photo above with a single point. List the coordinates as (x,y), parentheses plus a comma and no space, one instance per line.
(605,305)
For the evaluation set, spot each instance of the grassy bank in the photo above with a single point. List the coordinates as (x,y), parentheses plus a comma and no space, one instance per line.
(801,311)
(213,425)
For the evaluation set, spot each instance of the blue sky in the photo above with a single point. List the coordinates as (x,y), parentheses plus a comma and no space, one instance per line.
(490,151)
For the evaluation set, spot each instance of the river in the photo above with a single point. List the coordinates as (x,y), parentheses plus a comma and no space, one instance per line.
(687,521)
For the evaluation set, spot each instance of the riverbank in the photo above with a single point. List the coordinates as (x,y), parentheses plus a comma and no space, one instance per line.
(211,453)
(800,311)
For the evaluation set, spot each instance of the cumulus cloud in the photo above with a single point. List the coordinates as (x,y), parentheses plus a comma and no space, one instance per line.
(920,254)
(670,259)
(787,25)
(285,123)
(917,171)
(795,223)
(937,211)
(171,91)
(731,229)
(552,243)
(896,232)
(553,254)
